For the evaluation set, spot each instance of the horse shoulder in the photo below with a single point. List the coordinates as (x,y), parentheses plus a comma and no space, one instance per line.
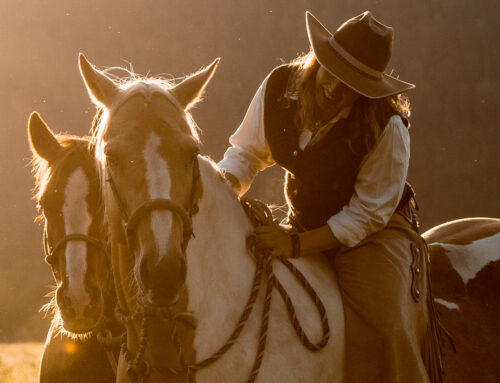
(66,359)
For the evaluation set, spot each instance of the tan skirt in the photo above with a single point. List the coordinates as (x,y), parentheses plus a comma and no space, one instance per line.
(390,333)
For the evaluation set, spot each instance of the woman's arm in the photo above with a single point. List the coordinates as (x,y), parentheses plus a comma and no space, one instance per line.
(278,239)
(249,152)
(378,188)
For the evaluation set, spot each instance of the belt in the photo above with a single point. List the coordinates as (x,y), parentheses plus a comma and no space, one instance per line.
(408,210)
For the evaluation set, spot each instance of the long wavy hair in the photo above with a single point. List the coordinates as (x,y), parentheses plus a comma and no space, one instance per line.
(368,114)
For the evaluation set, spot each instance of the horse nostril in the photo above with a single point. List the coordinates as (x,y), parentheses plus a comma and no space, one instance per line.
(63,301)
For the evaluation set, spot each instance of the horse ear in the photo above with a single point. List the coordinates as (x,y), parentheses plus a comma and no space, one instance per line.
(189,91)
(99,86)
(43,142)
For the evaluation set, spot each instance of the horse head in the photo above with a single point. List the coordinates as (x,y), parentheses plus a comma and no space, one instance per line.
(68,194)
(148,147)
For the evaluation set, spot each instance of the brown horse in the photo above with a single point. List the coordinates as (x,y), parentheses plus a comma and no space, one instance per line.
(69,197)
(465,273)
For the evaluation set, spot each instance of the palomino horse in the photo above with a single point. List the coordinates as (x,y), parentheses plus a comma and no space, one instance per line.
(158,192)
(68,194)
(465,273)
(182,295)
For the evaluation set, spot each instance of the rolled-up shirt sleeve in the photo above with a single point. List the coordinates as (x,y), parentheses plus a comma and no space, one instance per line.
(249,151)
(378,187)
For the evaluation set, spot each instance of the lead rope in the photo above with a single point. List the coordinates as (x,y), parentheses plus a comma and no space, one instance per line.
(264,264)
(106,339)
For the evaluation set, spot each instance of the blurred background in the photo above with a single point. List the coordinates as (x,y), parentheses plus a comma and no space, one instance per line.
(448,48)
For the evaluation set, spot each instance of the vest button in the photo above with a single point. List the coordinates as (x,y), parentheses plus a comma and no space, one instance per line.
(295,153)
(295,191)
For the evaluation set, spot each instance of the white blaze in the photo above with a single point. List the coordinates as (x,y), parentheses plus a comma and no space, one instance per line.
(159,185)
(77,220)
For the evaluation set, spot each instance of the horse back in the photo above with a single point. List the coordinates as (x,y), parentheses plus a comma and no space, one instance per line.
(465,275)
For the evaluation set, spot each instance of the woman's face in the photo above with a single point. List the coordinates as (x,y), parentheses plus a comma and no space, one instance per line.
(332,95)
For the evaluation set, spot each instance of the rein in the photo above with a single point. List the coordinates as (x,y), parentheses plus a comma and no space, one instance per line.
(138,369)
(260,214)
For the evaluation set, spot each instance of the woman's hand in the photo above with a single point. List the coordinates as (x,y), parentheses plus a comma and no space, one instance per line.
(275,239)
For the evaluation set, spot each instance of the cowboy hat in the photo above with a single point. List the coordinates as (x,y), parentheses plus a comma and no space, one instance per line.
(357,54)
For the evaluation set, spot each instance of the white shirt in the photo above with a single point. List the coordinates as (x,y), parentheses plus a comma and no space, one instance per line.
(379,183)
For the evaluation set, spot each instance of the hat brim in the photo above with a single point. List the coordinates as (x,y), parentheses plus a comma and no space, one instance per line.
(341,68)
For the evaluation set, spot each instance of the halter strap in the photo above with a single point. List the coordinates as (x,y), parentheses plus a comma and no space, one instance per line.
(161,204)
(50,254)
(130,222)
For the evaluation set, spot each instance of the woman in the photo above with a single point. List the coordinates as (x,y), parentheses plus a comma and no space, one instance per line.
(339,126)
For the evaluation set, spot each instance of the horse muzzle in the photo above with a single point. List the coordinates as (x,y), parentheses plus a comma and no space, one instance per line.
(79,318)
(161,279)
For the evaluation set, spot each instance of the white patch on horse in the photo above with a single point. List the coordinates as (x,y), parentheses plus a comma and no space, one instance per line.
(159,185)
(485,250)
(449,305)
(77,220)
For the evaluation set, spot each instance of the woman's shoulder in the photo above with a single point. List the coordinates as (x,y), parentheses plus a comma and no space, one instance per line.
(396,127)
(281,71)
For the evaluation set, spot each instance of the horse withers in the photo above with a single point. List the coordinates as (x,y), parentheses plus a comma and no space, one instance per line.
(68,194)
(184,294)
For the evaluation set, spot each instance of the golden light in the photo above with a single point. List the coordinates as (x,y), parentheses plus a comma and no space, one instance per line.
(70,348)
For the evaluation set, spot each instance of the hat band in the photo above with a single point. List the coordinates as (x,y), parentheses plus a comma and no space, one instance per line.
(353,62)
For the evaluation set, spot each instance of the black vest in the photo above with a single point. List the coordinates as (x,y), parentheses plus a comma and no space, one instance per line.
(320,179)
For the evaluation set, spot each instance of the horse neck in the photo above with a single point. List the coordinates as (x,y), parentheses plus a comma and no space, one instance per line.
(219,267)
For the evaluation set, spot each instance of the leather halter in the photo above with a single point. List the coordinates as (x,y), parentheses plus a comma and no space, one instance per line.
(130,222)
(51,254)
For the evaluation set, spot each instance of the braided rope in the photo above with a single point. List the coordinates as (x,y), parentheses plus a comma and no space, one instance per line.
(138,369)
(239,327)
(264,264)
(291,309)
(265,323)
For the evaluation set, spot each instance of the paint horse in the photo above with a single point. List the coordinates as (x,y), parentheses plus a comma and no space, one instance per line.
(183,295)
(465,273)
(69,197)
